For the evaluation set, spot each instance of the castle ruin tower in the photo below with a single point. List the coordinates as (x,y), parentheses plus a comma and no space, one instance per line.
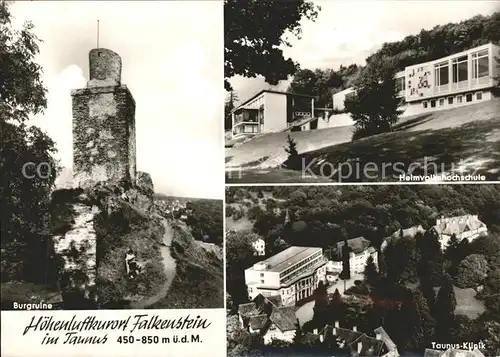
(103,125)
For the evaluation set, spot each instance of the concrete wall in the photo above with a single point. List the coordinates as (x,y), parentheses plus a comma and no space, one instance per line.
(275,112)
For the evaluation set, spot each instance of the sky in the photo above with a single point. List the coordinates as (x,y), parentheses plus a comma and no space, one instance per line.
(347,32)
(172,55)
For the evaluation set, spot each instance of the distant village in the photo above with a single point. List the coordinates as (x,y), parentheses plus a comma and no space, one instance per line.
(174,209)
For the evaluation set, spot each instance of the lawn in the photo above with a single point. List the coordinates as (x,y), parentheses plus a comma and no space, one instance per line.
(272,175)
(474,147)
(467,304)
(457,141)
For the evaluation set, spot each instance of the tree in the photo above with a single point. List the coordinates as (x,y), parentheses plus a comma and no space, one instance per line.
(371,272)
(254,30)
(336,307)
(229,105)
(345,274)
(293,161)
(239,256)
(25,228)
(374,104)
(444,308)
(318,83)
(298,338)
(472,271)
(431,262)
(320,315)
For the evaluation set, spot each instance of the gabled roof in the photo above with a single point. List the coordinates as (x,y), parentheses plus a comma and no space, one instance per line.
(370,346)
(357,245)
(258,322)
(458,225)
(245,309)
(284,318)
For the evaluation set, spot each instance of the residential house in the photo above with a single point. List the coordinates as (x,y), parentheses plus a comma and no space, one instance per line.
(360,251)
(259,246)
(265,317)
(359,343)
(463,227)
(270,111)
(401,233)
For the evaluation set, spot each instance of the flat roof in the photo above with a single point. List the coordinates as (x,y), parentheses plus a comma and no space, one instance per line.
(289,257)
(270,91)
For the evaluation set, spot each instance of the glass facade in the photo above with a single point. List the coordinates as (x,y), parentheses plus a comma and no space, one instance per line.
(460,70)
(480,64)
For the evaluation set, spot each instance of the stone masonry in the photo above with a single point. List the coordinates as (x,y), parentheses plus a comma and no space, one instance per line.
(81,237)
(104,148)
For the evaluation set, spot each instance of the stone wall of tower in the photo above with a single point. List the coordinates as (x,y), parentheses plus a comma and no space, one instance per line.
(103,125)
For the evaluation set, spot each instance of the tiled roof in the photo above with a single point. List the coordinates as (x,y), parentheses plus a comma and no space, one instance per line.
(385,337)
(275,299)
(357,245)
(245,309)
(370,346)
(407,232)
(458,225)
(258,322)
(284,318)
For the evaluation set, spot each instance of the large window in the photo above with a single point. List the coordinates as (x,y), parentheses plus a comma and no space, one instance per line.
(441,74)
(460,69)
(480,64)
(400,84)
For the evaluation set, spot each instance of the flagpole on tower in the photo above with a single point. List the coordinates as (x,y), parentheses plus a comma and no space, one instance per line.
(97,33)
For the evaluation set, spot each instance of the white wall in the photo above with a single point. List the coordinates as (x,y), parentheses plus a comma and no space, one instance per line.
(276,334)
(274,112)
(339,98)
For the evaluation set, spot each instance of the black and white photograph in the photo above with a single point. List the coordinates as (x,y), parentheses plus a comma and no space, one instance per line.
(361,91)
(111,155)
(363,270)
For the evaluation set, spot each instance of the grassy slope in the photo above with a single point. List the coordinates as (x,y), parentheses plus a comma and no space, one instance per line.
(470,134)
(198,282)
(268,149)
(128,228)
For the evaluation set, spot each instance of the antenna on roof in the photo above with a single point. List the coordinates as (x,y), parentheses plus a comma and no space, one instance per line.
(97,33)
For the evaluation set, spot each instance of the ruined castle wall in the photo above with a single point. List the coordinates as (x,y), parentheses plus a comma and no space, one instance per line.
(82,237)
(103,135)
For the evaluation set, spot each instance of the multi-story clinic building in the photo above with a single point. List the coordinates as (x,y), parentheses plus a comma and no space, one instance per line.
(461,79)
(293,274)
(270,111)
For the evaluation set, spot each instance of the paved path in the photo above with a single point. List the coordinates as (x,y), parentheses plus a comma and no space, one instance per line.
(169,265)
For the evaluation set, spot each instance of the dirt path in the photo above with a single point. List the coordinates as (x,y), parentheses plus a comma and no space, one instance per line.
(169,265)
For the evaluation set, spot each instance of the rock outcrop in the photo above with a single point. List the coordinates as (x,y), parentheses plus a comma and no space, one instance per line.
(78,246)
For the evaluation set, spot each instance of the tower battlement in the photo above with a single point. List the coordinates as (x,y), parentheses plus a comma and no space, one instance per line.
(104,145)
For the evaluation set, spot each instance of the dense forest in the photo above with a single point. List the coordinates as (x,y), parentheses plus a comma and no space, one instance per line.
(206,220)
(427,45)
(411,269)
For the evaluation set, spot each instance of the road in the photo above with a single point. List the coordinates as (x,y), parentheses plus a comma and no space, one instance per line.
(169,265)
(305,312)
